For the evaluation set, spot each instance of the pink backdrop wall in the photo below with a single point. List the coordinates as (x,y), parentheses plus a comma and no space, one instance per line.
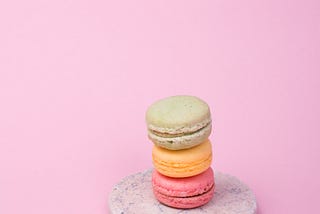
(77,76)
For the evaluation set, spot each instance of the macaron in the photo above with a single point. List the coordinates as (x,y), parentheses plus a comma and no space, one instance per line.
(178,122)
(182,163)
(184,193)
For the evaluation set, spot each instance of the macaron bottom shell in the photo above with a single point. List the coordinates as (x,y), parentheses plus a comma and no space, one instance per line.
(185,202)
(183,141)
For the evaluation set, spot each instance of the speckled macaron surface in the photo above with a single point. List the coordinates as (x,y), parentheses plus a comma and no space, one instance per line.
(178,122)
(133,195)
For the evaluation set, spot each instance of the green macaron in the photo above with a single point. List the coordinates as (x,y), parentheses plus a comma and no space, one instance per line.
(178,122)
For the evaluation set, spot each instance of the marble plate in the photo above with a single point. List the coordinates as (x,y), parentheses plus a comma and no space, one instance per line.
(133,195)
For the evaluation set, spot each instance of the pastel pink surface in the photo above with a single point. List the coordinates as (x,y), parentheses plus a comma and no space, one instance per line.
(188,192)
(76,78)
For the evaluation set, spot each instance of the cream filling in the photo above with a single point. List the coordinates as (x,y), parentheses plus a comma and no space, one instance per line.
(205,191)
(205,131)
(200,194)
(178,131)
(179,137)
(168,135)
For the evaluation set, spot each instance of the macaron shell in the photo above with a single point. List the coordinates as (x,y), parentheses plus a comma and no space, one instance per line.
(181,142)
(185,193)
(183,187)
(183,163)
(185,203)
(180,113)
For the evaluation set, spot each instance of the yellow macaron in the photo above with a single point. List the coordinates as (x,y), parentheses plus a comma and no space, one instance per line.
(182,163)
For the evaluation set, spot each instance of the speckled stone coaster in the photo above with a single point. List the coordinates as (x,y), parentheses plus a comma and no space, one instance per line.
(133,195)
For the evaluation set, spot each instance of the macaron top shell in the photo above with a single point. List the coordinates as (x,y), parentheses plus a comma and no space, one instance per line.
(178,114)
(183,187)
(182,163)
(184,156)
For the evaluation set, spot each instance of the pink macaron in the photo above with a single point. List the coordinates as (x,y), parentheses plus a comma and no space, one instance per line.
(184,193)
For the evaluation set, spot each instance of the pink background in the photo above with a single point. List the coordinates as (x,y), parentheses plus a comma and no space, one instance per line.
(77,76)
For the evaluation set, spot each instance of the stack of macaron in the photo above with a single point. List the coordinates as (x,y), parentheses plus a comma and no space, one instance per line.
(179,127)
